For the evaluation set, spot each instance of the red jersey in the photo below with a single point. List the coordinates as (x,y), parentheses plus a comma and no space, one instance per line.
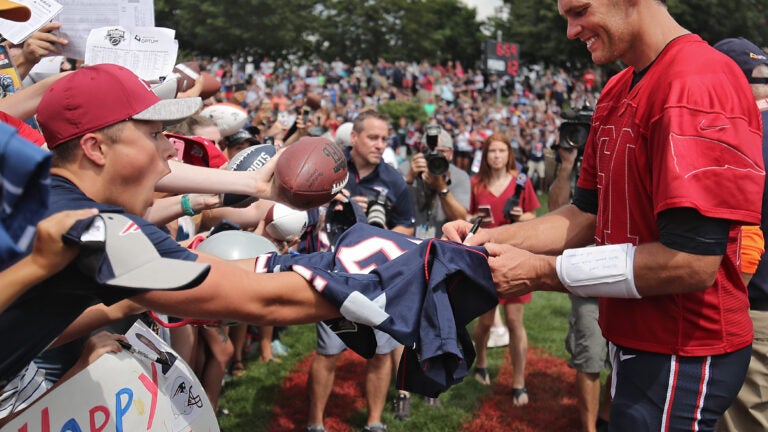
(688,134)
(483,198)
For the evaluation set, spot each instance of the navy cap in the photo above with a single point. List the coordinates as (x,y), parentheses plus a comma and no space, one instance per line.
(746,54)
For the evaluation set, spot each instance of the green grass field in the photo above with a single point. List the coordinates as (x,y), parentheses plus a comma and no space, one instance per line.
(251,397)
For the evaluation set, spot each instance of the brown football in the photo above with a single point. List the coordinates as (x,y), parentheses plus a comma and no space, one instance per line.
(186,73)
(211,86)
(310,172)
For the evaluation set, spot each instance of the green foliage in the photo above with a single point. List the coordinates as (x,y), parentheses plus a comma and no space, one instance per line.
(396,109)
(437,30)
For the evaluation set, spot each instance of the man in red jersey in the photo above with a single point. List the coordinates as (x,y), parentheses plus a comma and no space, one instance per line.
(671,168)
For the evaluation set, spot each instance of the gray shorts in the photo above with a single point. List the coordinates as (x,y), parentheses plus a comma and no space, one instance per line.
(330,344)
(585,341)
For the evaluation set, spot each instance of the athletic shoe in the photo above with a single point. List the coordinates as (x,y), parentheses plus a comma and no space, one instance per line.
(279,349)
(432,402)
(375,427)
(482,376)
(499,337)
(402,406)
(316,428)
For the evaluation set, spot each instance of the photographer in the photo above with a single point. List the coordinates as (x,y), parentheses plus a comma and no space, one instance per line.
(382,195)
(437,197)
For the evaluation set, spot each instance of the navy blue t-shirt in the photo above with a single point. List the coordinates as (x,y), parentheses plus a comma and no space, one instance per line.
(384,178)
(39,316)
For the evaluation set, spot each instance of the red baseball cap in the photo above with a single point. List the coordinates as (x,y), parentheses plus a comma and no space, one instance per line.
(98,96)
(199,151)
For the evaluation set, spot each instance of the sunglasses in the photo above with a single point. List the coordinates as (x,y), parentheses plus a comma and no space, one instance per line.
(757,80)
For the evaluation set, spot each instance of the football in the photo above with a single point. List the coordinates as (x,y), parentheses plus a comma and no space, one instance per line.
(283,223)
(249,159)
(229,117)
(211,86)
(186,74)
(310,172)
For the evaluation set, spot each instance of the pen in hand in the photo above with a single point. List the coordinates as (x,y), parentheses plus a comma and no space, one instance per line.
(473,230)
(130,348)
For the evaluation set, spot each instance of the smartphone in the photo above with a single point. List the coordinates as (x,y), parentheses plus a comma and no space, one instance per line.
(305,112)
(484,212)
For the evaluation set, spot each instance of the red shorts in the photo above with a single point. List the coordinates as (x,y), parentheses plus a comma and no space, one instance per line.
(525,298)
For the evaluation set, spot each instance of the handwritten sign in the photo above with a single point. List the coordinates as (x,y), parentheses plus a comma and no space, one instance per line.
(125,392)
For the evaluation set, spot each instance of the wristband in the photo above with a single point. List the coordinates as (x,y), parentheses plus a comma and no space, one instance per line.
(599,271)
(186,206)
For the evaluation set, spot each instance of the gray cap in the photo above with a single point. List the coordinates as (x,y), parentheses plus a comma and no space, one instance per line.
(115,252)
(443,140)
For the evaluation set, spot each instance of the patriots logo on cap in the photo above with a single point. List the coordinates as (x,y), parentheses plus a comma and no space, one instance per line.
(756,56)
(115,36)
(130,228)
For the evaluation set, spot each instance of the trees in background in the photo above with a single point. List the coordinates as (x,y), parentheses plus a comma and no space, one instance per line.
(436,30)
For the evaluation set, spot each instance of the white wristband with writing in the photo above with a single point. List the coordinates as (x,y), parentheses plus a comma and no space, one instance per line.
(599,271)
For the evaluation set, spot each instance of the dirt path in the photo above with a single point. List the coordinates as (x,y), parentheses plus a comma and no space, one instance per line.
(549,381)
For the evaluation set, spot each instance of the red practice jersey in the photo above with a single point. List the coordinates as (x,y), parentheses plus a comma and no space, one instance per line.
(688,134)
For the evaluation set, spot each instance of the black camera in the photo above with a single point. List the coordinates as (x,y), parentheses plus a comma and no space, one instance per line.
(377,210)
(339,218)
(574,130)
(437,164)
(514,200)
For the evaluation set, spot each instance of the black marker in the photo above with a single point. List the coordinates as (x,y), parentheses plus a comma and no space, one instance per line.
(130,348)
(474,228)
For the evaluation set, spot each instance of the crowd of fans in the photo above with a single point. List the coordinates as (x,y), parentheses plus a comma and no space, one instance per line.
(463,102)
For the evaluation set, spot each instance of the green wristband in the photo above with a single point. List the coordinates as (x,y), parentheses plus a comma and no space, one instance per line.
(186,206)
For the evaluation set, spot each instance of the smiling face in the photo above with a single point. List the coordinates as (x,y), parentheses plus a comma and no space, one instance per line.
(603,25)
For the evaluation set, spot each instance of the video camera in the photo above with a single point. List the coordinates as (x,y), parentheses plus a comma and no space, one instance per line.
(574,130)
(514,200)
(437,164)
(377,210)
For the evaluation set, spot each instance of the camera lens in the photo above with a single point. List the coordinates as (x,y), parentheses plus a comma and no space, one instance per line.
(377,211)
(574,135)
(377,215)
(437,164)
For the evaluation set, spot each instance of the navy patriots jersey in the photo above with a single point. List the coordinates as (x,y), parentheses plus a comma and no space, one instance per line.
(421,292)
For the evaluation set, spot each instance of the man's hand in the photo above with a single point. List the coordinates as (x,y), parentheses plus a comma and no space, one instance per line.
(40,44)
(517,271)
(567,155)
(361,201)
(264,179)
(457,231)
(436,183)
(418,166)
(49,253)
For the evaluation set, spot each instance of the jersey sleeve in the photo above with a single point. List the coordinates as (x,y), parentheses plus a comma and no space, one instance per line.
(699,154)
